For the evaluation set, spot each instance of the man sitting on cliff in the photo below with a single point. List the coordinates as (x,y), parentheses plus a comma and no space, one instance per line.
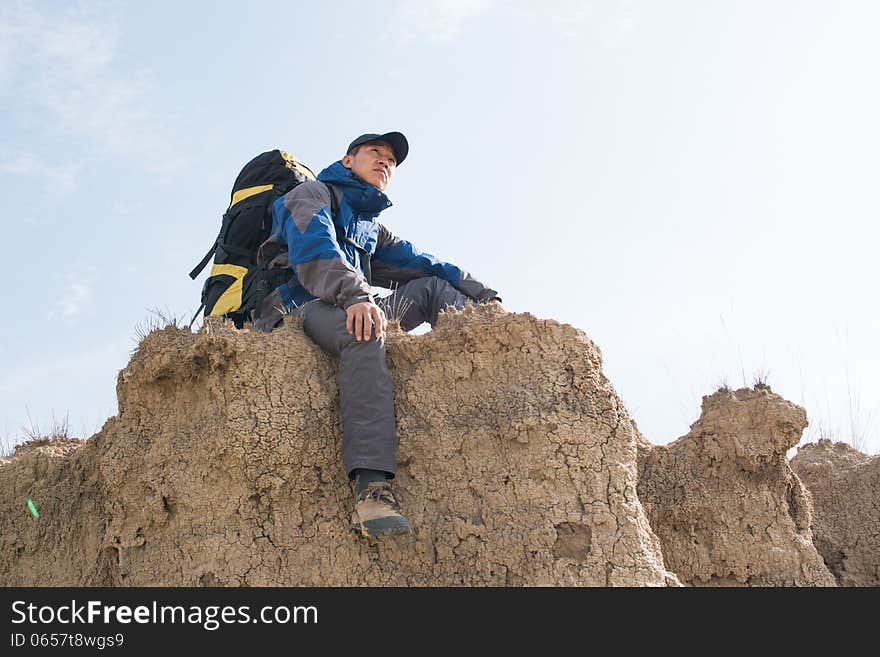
(337,250)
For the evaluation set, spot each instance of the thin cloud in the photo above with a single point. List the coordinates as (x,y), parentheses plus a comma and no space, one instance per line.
(28,165)
(75,295)
(72,300)
(609,22)
(62,77)
(440,20)
(23,164)
(444,21)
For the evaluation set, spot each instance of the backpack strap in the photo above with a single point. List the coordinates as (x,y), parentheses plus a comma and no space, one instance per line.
(229,248)
(194,274)
(193,320)
(334,206)
(342,237)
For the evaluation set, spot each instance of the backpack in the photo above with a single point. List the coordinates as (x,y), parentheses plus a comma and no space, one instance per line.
(237,285)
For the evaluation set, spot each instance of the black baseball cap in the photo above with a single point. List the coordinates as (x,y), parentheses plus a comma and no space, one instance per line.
(396,140)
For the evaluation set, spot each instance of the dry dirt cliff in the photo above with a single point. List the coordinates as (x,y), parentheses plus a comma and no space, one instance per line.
(845,489)
(518,466)
(724,501)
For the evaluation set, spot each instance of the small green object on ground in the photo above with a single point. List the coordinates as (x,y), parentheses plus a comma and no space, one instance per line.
(33,508)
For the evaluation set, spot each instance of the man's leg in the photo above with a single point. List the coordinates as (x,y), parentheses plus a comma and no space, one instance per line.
(366,395)
(369,433)
(421,300)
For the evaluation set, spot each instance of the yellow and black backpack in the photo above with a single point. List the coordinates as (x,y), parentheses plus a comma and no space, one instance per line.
(237,284)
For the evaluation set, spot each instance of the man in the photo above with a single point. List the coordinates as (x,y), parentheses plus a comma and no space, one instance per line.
(337,250)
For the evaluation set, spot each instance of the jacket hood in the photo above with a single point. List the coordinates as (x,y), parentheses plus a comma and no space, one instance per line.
(361,196)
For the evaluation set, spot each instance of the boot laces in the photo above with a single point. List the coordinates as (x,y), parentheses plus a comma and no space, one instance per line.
(381,493)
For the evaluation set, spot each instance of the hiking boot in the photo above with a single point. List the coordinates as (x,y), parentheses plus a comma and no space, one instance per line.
(377,513)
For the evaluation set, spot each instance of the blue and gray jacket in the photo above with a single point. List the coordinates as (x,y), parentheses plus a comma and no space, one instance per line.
(332,269)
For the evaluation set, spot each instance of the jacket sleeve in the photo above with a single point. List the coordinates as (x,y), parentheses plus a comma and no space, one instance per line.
(397,260)
(302,217)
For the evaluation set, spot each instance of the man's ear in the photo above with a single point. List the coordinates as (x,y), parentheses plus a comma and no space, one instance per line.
(346,161)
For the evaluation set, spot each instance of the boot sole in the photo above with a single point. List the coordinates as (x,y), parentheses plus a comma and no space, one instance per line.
(383,527)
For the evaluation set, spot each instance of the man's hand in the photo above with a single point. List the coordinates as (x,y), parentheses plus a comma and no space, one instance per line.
(497,304)
(364,317)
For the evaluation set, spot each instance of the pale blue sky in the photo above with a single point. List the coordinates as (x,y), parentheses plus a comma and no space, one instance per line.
(693,184)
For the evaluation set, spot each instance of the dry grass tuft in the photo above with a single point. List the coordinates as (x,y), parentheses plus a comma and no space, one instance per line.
(158,319)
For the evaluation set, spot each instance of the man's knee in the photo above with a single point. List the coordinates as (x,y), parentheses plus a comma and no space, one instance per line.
(443,293)
(326,325)
(431,286)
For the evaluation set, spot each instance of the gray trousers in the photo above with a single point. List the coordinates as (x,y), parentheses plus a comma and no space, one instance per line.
(366,396)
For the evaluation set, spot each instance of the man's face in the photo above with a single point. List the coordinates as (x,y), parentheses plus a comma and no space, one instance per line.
(373,163)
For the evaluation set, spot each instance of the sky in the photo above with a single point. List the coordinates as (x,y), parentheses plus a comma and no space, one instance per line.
(692,184)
